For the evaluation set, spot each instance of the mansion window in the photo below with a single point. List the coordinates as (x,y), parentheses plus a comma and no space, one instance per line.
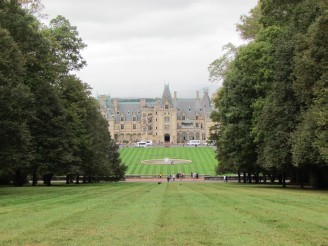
(166,106)
(134,126)
(183,117)
(167,127)
(196,117)
(134,118)
(166,119)
(122,126)
(197,125)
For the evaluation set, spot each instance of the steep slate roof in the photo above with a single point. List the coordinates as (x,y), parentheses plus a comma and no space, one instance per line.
(131,107)
(188,107)
(128,110)
(206,101)
(167,97)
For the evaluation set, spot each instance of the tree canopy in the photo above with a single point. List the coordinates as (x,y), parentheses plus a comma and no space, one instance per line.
(49,122)
(271,112)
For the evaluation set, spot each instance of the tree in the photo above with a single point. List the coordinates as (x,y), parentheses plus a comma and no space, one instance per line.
(250,25)
(274,92)
(309,145)
(218,69)
(15,144)
(49,122)
(67,44)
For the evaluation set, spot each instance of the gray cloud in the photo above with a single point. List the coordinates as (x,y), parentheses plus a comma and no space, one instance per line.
(134,45)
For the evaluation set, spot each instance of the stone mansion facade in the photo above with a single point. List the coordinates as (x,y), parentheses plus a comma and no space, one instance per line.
(162,120)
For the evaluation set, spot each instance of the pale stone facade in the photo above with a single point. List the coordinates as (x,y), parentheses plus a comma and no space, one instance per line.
(165,120)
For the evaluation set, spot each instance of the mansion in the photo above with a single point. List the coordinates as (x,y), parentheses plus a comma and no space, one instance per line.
(162,120)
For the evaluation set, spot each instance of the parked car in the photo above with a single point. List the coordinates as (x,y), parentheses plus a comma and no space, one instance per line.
(149,142)
(193,142)
(141,144)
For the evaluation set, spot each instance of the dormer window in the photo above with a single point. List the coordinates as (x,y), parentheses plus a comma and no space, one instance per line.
(122,118)
(166,106)
(189,109)
(134,118)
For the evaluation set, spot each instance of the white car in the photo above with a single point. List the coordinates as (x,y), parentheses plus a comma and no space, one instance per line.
(149,142)
(193,142)
(141,144)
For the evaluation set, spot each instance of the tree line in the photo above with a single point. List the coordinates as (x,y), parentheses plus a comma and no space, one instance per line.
(49,122)
(271,114)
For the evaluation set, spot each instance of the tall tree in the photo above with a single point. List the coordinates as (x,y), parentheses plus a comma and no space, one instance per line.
(309,145)
(15,97)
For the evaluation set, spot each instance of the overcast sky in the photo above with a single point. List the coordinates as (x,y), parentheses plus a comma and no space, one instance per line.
(135,46)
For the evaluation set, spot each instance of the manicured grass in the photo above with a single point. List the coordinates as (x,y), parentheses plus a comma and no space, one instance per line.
(203,160)
(163,214)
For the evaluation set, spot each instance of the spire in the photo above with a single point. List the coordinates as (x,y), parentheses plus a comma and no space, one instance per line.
(167,97)
(206,101)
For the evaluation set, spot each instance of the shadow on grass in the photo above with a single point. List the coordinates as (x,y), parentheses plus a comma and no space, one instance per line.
(275,186)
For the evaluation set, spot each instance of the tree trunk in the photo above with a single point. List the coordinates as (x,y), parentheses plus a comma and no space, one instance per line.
(244,177)
(19,178)
(283,179)
(47,179)
(300,178)
(239,180)
(280,179)
(249,177)
(77,179)
(71,179)
(67,179)
(34,178)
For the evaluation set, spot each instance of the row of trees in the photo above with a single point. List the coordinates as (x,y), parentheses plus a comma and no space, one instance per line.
(272,110)
(49,122)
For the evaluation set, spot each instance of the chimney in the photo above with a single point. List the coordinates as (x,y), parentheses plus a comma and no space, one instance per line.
(142,102)
(115,105)
(175,96)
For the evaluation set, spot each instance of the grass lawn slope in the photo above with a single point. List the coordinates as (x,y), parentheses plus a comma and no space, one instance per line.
(203,160)
(172,213)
